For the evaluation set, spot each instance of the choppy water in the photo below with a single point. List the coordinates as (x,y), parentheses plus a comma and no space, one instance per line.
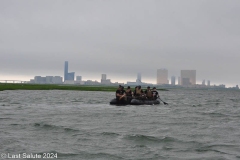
(197,124)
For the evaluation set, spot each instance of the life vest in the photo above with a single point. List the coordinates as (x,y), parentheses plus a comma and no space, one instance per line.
(120,92)
(138,91)
(128,92)
(149,93)
(123,92)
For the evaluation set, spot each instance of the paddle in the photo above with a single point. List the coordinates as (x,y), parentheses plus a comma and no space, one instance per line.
(163,101)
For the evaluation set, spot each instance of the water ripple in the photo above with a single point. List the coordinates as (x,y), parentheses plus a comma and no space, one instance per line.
(197,124)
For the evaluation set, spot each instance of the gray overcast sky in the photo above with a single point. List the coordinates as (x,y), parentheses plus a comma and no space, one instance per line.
(120,38)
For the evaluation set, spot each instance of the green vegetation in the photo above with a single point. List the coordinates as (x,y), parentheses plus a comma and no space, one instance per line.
(11,86)
(23,86)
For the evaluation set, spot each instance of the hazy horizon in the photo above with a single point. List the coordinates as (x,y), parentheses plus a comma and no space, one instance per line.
(120,39)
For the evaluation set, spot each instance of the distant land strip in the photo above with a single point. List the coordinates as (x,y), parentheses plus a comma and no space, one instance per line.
(23,86)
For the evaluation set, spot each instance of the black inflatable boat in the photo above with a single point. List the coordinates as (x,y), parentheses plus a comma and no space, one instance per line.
(144,102)
(115,102)
(135,102)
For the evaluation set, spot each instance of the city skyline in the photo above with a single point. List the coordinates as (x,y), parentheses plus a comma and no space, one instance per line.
(98,37)
(187,79)
(139,77)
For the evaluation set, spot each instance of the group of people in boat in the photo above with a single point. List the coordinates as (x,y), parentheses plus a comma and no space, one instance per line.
(138,93)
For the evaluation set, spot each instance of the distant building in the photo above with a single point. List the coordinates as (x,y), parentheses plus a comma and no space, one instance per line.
(173,80)
(39,80)
(47,80)
(69,82)
(70,76)
(179,80)
(90,82)
(162,76)
(188,77)
(79,78)
(104,80)
(203,83)
(138,82)
(185,81)
(57,80)
(104,76)
(139,78)
(67,75)
(66,71)
(219,86)
(222,85)
(31,81)
(116,84)
(208,83)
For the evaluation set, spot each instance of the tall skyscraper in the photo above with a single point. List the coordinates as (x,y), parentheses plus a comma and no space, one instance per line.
(208,82)
(66,71)
(104,76)
(162,76)
(173,80)
(68,76)
(104,79)
(188,77)
(203,82)
(139,78)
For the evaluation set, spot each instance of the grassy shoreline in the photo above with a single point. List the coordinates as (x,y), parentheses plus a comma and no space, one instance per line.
(23,86)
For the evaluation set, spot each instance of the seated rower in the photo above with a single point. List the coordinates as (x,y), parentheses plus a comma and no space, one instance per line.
(119,87)
(129,94)
(120,94)
(155,93)
(139,93)
(148,93)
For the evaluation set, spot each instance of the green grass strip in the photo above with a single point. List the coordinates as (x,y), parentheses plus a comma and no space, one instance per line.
(23,86)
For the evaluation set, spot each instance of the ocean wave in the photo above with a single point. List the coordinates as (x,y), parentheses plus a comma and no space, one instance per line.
(234,100)
(14,124)
(209,149)
(227,149)
(51,127)
(151,139)
(5,118)
(110,134)
(101,155)
(140,146)
(80,130)
(215,114)
(194,105)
